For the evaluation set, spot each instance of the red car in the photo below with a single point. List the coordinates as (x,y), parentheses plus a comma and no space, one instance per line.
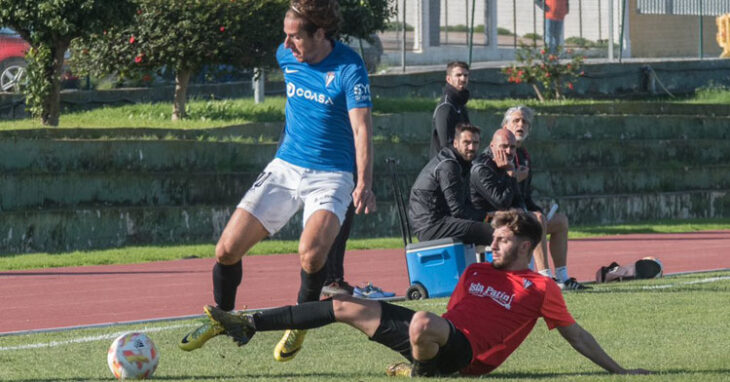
(12,60)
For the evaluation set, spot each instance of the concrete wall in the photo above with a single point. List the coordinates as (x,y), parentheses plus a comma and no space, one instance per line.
(67,189)
(670,35)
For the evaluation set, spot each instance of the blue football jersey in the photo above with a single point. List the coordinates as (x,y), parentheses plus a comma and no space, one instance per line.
(318,134)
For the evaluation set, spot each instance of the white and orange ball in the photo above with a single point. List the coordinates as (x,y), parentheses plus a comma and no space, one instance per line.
(133,356)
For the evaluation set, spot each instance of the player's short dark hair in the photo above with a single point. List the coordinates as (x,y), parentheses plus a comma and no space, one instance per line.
(317,14)
(466,126)
(523,224)
(456,64)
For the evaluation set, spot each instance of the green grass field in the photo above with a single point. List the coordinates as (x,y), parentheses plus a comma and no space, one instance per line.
(676,326)
(210,114)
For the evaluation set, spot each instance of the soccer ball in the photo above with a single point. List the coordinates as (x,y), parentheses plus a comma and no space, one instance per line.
(132,356)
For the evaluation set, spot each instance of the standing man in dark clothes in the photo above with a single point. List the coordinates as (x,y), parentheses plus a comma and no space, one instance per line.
(439,202)
(451,110)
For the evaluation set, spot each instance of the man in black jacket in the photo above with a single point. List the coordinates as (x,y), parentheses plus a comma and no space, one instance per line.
(493,177)
(511,187)
(439,202)
(451,110)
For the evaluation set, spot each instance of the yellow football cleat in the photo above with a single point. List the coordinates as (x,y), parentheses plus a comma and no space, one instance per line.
(289,345)
(400,369)
(198,337)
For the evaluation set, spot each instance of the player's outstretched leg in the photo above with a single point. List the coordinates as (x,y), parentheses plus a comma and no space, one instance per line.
(238,326)
(200,335)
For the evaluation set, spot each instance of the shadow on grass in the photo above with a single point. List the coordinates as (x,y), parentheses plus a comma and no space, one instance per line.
(533,376)
(354,376)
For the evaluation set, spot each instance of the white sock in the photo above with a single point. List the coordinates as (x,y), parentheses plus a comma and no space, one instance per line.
(546,272)
(562,273)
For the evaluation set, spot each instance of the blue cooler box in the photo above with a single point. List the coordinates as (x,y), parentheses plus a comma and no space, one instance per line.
(437,264)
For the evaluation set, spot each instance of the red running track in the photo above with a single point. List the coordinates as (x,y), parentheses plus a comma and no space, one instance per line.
(67,297)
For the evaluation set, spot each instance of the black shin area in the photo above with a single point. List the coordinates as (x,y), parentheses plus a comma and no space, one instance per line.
(311,285)
(226,279)
(308,315)
(393,329)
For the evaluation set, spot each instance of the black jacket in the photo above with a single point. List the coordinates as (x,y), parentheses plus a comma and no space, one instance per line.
(450,111)
(441,189)
(523,159)
(492,189)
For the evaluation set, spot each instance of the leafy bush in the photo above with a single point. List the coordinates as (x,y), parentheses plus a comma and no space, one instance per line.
(398,26)
(532,36)
(579,42)
(504,31)
(544,71)
(463,28)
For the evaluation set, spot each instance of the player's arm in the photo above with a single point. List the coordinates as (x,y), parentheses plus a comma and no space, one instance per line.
(585,344)
(362,129)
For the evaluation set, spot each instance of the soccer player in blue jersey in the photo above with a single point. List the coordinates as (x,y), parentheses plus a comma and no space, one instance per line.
(328,135)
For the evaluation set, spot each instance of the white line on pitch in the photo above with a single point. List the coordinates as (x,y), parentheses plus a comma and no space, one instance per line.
(91,338)
(701,281)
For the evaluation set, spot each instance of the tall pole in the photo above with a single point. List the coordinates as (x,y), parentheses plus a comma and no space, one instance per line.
(621,36)
(514,22)
(466,22)
(580,18)
(446,18)
(403,45)
(258,85)
(702,33)
(599,20)
(471,31)
(610,30)
(534,27)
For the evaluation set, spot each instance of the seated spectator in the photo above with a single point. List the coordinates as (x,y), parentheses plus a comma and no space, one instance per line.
(439,201)
(510,187)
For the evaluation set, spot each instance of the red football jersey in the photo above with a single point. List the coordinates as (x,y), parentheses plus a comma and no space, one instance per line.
(497,309)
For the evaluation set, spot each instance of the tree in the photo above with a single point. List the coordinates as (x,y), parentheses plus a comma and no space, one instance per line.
(49,26)
(362,18)
(185,35)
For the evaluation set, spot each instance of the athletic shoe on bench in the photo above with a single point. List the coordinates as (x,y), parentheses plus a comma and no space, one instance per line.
(371,291)
(572,284)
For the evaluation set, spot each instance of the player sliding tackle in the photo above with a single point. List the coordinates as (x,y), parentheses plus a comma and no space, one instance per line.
(492,310)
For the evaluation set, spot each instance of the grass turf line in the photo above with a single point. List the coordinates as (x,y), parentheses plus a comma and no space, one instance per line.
(142,254)
(679,332)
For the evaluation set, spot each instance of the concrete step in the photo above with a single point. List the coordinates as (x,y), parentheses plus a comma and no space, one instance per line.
(66,229)
(61,156)
(153,189)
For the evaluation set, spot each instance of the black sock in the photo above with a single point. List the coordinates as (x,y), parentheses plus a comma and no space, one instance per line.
(226,279)
(311,285)
(308,315)
(424,369)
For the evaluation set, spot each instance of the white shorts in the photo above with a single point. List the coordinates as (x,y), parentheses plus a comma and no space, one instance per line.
(282,188)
